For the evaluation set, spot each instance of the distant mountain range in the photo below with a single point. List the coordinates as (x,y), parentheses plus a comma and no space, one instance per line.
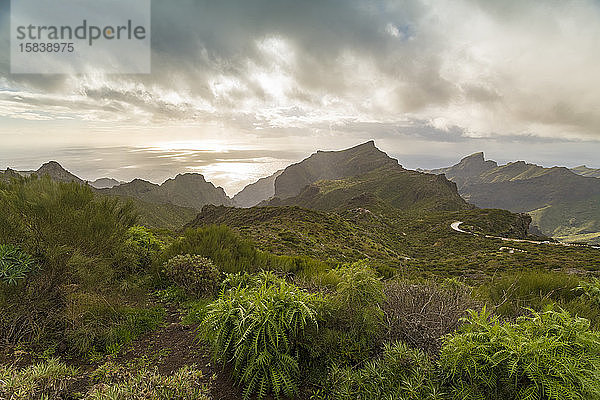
(185,190)
(169,205)
(564,203)
(362,176)
(105,183)
(585,171)
(256,192)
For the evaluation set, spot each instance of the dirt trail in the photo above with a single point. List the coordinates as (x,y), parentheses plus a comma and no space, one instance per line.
(179,348)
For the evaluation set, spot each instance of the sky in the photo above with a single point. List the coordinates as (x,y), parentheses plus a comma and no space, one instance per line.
(240,89)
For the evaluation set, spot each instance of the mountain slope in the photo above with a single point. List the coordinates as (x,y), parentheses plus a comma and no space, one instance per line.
(585,171)
(254,193)
(56,172)
(398,242)
(185,190)
(562,202)
(327,165)
(384,189)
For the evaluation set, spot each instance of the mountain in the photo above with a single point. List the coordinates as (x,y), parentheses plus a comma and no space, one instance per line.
(254,193)
(185,190)
(469,167)
(105,183)
(327,165)
(56,172)
(362,177)
(585,171)
(386,189)
(563,204)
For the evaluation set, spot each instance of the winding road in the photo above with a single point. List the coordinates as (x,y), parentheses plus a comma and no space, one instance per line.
(456,227)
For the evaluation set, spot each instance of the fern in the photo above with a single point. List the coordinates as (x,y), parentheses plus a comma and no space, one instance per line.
(256,328)
(545,356)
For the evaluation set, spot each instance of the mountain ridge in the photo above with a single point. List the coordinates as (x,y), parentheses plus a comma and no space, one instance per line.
(546,193)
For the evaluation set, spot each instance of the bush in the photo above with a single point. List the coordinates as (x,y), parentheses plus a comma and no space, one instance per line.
(235,254)
(195,274)
(350,320)
(513,295)
(14,264)
(400,373)
(421,314)
(45,380)
(141,247)
(590,291)
(186,383)
(77,241)
(548,355)
(259,329)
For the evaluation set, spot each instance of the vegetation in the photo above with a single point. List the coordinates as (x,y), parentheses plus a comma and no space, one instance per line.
(258,328)
(14,264)
(81,245)
(400,373)
(43,380)
(548,355)
(186,383)
(235,254)
(362,299)
(195,274)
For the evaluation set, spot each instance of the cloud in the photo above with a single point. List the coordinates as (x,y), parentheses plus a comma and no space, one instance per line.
(433,70)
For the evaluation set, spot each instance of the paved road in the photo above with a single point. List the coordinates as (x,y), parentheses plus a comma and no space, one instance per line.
(456,227)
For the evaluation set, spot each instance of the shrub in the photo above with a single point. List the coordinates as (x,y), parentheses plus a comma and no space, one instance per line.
(14,264)
(186,383)
(513,295)
(350,320)
(259,329)
(45,380)
(141,247)
(400,373)
(195,274)
(76,239)
(548,355)
(420,314)
(233,253)
(590,291)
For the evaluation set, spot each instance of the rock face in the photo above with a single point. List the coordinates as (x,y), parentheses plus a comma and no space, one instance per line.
(185,190)
(105,183)
(256,192)
(327,165)
(471,166)
(563,204)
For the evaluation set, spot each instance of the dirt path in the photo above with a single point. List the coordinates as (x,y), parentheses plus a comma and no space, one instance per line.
(178,347)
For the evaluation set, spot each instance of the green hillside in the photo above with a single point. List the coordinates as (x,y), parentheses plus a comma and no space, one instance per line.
(398,242)
(386,188)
